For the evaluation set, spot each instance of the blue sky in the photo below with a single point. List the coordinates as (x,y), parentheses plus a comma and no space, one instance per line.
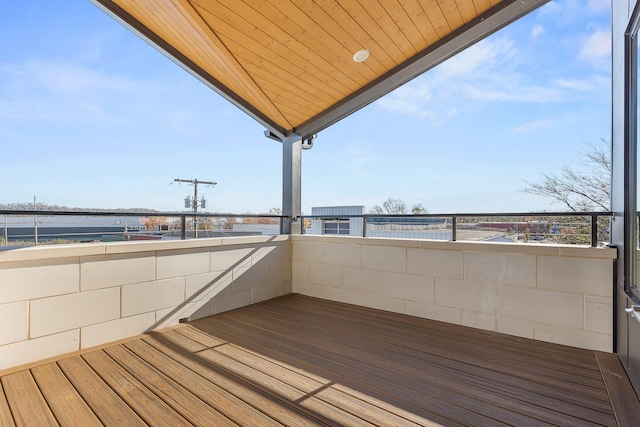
(91,116)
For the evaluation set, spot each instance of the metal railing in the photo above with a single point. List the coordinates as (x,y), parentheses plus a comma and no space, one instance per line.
(32,227)
(28,227)
(557,227)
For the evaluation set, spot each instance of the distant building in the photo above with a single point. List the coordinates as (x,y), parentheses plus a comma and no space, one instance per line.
(259,229)
(404,228)
(336,225)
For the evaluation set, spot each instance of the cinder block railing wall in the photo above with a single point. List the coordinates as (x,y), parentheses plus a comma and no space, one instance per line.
(59,299)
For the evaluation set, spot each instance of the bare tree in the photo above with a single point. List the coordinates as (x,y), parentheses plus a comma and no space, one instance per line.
(391,206)
(418,209)
(580,189)
(396,207)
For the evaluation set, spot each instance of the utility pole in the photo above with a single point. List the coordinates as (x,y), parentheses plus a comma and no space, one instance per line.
(194,202)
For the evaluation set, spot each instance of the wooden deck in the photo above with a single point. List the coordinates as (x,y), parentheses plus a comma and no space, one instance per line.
(301,361)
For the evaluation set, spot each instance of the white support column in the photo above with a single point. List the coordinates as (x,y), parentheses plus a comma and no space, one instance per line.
(291,183)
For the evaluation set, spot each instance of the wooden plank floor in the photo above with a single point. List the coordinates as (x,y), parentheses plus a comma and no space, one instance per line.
(299,361)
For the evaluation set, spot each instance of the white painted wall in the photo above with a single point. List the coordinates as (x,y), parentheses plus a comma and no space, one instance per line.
(60,299)
(560,294)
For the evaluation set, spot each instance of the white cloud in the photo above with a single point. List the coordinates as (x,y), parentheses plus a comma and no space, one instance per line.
(514,92)
(179,119)
(564,11)
(535,125)
(590,84)
(406,105)
(482,56)
(58,91)
(596,46)
(65,78)
(536,31)
(486,72)
(410,99)
(456,79)
(499,69)
(359,159)
(572,11)
(598,6)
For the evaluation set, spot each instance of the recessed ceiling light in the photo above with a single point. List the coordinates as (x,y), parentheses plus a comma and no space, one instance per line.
(361,55)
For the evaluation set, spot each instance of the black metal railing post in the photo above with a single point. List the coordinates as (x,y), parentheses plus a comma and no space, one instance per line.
(454,228)
(183,227)
(594,230)
(364,226)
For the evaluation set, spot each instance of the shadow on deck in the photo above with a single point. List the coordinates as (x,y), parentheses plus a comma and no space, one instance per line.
(302,361)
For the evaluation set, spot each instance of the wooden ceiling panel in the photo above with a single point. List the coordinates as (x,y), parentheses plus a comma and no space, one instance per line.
(436,16)
(481,6)
(318,49)
(395,25)
(309,22)
(467,10)
(360,19)
(277,64)
(177,21)
(292,87)
(291,79)
(280,48)
(452,13)
(421,21)
(329,16)
(289,63)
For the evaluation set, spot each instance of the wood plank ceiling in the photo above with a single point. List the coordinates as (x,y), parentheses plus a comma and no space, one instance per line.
(289,63)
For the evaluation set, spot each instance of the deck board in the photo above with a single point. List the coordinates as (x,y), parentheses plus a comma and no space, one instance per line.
(278,388)
(308,385)
(463,376)
(183,401)
(101,398)
(483,353)
(372,372)
(27,405)
(302,361)
(473,361)
(6,419)
(64,400)
(621,391)
(342,375)
(152,409)
(214,396)
(454,337)
(284,412)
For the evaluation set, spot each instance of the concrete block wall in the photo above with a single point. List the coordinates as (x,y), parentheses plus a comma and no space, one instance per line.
(559,294)
(60,299)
